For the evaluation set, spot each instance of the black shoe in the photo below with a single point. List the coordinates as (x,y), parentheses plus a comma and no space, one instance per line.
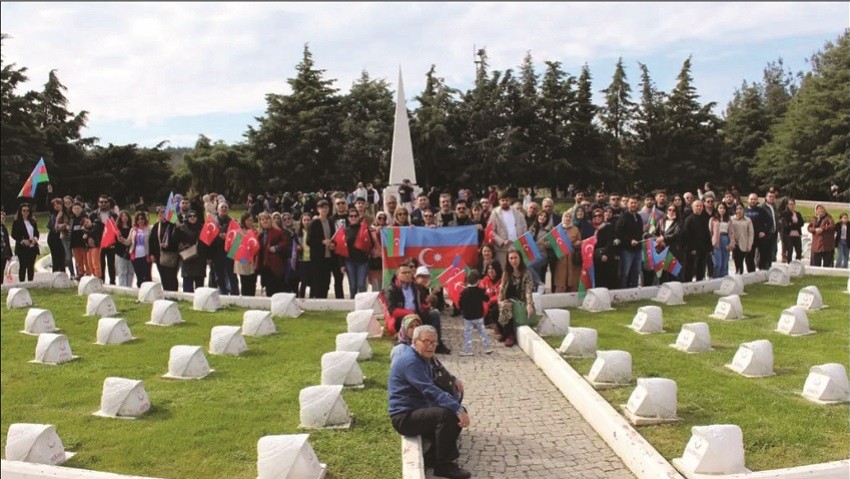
(443,349)
(455,312)
(452,471)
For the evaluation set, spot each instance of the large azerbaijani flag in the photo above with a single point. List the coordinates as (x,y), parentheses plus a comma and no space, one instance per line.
(38,175)
(436,248)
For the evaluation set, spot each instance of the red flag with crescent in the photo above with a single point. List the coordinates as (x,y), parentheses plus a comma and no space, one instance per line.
(489,231)
(248,248)
(232,229)
(339,240)
(587,280)
(110,233)
(210,231)
(455,285)
(363,242)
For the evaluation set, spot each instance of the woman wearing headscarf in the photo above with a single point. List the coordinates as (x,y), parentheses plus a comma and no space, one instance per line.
(568,268)
(25,234)
(163,249)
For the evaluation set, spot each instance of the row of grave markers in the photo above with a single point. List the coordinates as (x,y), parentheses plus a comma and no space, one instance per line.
(713,449)
(321,406)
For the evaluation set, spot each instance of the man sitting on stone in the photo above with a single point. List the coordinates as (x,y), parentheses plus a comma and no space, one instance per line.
(418,407)
(404,296)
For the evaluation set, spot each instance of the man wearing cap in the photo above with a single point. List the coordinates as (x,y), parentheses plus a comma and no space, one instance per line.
(508,225)
(405,296)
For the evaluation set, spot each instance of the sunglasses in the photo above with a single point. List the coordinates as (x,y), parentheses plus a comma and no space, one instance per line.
(597,216)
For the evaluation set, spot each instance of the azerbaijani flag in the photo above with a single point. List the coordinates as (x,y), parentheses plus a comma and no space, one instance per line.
(559,241)
(232,230)
(587,280)
(526,245)
(672,265)
(435,248)
(171,208)
(235,243)
(394,238)
(38,175)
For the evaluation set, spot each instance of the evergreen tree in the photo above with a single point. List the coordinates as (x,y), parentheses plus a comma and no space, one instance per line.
(645,155)
(809,149)
(298,140)
(554,110)
(368,109)
(617,117)
(432,142)
(217,167)
(587,149)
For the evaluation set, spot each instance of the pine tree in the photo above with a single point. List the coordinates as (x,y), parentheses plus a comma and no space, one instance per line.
(367,140)
(430,129)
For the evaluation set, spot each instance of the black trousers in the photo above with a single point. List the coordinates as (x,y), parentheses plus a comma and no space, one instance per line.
(338,276)
(738,257)
(107,261)
(26,262)
(791,245)
(272,283)
(168,277)
(695,266)
(767,250)
(57,251)
(249,284)
(322,268)
(824,259)
(435,423)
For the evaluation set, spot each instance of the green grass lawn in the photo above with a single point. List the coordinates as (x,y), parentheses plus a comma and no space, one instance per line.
(781,429)
(195,429)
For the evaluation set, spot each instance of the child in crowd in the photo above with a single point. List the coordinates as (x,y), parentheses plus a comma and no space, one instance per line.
(472,301)
(92,248)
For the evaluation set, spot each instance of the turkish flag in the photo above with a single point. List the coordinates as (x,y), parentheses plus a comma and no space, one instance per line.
(488,233)
(232,229)
(110,233)
(587,248)
(341,244)
(363,242)
(210,231)
(248,248)
(455,285)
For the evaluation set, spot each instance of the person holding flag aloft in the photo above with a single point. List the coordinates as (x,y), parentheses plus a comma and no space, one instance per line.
(517,285)
(105,254)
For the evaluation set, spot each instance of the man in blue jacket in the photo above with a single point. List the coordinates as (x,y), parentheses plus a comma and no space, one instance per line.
(417,407)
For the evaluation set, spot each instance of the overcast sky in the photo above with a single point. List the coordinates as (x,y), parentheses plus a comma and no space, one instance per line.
(148,72)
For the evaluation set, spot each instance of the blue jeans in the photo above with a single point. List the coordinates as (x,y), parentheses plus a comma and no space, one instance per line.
(721,258)
(843,252)
(356,277)
(223,267)
(629,268)
(125,271)
(468,326)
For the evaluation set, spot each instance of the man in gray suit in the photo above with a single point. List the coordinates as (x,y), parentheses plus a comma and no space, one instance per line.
(508,225)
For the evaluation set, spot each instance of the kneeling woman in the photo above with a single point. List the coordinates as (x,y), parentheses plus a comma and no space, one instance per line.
(517,284)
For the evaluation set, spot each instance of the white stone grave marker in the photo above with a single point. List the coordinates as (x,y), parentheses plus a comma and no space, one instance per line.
(810,298)
(287,456)
(732,284)
(100,304)
(363,321)
(150,292)
(778,275)
(258,323)
(611,369)
(369,300)
(555,322)
(827,384)
(648,320)
(671,294)
(187,362)
(227,341)
(36,443)
(597,299)
(89,285)
(796,269)
(794,321)
(753,359)
(165,313)
(323,407)
(579,343)
(39,321)
(693,338)
(654,401)
(53,349)
(354,342)
(123,398)
(341,368)
(113,331)
(729,308)
(284,305)
(206,299)
(60,280)
(716,449)
(18,298)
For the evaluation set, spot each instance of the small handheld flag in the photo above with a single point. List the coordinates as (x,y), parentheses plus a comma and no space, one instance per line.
(110,233)
(525,244)
(338,239)
(488,232)
(210,231)
(559,241)
(38,175)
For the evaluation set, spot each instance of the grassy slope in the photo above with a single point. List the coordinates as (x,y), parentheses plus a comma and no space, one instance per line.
(196,429)
(781,429)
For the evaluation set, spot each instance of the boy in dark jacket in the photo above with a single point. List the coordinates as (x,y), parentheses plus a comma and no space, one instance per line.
(472,300)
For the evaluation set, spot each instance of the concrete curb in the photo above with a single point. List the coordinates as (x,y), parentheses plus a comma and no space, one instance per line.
(412,462)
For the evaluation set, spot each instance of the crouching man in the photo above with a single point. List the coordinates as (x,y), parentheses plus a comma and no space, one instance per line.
(417,407)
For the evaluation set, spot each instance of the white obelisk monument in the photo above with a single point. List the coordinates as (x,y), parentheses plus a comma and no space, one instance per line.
(401,160)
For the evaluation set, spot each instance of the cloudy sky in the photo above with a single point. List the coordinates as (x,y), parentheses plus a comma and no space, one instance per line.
(148,72)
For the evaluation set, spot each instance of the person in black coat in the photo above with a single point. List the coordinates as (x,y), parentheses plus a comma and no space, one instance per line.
(605,255)
(5,245)
(193,269)
(671,235)
(25,234)
(697,243)
(629,231)
(162,241)
(321,251)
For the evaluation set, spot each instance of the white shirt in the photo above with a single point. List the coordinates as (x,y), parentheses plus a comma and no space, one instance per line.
(510,223)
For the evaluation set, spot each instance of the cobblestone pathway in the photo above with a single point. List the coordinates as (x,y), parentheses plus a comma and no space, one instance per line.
(522,426)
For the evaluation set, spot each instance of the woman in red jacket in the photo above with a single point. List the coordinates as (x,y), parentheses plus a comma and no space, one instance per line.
(274,243)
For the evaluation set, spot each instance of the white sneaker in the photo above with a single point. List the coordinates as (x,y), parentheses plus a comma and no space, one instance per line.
(488,350)
(466,353)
